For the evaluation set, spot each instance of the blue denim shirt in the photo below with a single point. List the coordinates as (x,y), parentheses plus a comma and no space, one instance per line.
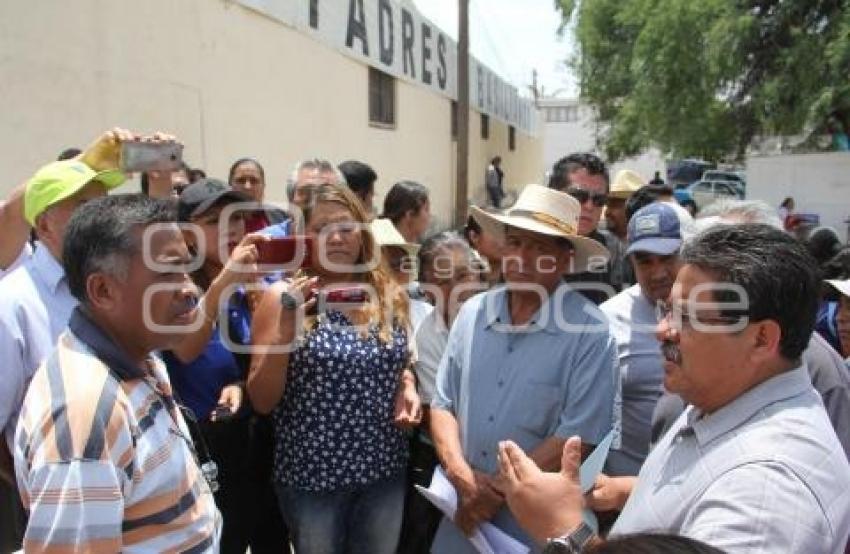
(556,378)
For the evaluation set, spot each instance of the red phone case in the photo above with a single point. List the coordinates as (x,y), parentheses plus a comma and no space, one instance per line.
(349,295)
(282,251)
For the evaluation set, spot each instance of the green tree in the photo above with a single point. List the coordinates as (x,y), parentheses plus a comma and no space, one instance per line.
(703,77)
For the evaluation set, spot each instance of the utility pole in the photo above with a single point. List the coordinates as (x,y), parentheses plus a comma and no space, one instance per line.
(462,178)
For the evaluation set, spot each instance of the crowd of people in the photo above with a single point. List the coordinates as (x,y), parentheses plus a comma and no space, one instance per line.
(169,385)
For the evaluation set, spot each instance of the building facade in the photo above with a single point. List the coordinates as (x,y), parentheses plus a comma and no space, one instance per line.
(279,80)
(570,126)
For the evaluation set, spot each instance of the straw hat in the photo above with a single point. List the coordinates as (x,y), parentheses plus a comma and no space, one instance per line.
(386,234)
(548,212)
(625,183)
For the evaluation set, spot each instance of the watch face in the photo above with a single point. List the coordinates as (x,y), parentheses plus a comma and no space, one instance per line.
(558,546)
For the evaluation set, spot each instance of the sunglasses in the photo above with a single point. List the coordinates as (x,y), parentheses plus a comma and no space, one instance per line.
(599,199)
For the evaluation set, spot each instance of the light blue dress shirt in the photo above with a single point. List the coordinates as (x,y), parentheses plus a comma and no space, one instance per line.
(763,474)
(35,307)
(557,377)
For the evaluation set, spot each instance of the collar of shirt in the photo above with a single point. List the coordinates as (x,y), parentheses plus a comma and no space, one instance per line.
(496,311)
(48,268)
(706,428)
(103,347)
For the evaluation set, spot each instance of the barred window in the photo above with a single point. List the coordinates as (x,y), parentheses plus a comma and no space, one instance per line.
(381,98)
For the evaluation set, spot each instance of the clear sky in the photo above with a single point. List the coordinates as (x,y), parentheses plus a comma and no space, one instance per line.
(512,37)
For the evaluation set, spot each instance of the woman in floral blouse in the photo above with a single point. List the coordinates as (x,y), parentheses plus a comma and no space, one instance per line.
(339,386)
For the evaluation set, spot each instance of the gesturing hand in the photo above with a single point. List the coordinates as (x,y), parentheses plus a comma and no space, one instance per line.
(546,505)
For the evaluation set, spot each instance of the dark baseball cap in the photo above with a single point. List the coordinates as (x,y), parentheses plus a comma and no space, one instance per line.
(655,229)
(202,195)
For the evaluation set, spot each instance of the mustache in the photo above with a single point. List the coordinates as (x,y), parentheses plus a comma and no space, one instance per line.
(671,352)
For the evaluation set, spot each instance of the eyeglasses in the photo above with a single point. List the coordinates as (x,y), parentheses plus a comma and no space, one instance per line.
(680,319)
(598,198)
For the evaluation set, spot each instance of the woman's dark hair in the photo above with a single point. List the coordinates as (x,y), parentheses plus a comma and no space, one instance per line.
(68,153)
(100,236)
(650,543)
(644,196)
(403,197)
(471,226)
(823,244)
(774,271)
(787,202)
(241,161)
(359,176)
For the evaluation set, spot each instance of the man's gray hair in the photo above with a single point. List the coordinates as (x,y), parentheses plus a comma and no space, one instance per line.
(322,166)
(739,211)
(100,236)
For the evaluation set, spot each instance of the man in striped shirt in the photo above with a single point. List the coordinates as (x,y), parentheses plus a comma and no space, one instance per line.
(103,457)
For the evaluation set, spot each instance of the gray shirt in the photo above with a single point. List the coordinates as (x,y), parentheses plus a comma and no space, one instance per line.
(829,376)
(556,377)
(765,473)
(633,319)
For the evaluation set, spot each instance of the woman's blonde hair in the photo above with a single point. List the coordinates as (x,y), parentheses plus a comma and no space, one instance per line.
(392,305)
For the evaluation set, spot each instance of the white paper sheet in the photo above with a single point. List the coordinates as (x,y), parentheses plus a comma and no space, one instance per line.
(489,539)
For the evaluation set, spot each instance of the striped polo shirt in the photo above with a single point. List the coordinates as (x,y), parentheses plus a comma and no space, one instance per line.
(103,457)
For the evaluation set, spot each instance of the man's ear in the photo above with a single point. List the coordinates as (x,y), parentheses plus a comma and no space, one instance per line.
(102,291)
(766,340)
(42,225)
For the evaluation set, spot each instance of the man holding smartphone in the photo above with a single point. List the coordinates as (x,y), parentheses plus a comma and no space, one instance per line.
(35,303)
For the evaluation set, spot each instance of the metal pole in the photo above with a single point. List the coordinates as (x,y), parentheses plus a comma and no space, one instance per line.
(462,178)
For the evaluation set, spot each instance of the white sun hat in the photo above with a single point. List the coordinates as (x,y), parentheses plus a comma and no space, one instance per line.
(549,212)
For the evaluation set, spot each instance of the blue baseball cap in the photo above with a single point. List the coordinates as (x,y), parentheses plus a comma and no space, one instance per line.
(655,229)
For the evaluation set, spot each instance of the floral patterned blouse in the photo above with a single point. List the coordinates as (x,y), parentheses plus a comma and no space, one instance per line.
(334,425)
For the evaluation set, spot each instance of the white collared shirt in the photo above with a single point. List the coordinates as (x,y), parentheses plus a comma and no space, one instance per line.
(35,306)
(26,252)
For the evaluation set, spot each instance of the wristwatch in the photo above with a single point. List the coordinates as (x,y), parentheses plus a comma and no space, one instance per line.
(571,543)
(288,301)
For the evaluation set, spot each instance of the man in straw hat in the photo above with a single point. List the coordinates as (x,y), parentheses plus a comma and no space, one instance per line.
(625,183)
(532,360)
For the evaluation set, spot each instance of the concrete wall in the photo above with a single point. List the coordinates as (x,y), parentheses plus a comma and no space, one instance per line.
(579,134)
(229,82)
(819,183)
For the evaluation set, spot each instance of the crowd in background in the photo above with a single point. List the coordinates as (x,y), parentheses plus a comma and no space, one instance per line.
(166,387)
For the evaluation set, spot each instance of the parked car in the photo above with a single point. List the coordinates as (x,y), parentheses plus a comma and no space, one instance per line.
(700,194)
(735,177)
(683,172)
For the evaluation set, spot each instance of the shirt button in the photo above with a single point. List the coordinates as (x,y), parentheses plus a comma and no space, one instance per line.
(490,418)
(483,453)
(501,383)
(510,349)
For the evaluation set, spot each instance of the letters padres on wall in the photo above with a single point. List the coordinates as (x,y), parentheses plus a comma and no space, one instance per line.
(394,37)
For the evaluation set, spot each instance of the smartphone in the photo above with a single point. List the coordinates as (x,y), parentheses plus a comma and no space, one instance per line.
(282,251)
(347,295)
(151,156)
(222,413)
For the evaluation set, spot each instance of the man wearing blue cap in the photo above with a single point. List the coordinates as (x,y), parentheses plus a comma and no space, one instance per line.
(654,238)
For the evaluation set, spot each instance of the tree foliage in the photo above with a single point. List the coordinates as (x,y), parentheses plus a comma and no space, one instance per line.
(704,77)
